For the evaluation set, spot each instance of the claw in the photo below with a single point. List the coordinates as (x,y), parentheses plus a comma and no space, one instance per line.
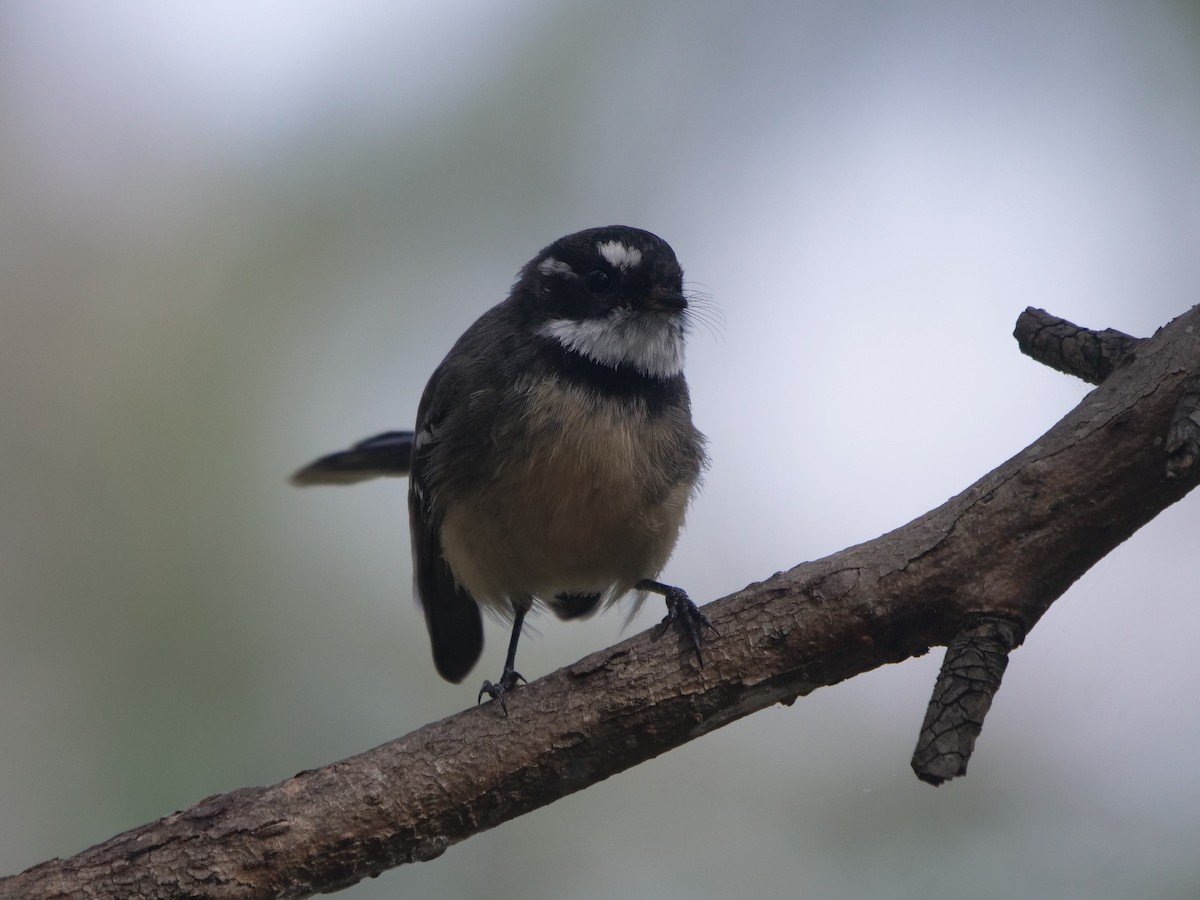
(508,681)
(683,613)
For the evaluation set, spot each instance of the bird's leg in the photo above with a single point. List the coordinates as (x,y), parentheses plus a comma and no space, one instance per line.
(510,676)
(680,610)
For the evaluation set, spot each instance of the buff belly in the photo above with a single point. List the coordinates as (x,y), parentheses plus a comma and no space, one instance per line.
(584,508)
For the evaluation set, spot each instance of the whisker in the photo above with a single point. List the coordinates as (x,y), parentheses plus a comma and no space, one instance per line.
(703,310)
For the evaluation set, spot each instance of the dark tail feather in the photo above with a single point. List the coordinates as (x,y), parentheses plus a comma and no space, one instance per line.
(456,634)
(383,456)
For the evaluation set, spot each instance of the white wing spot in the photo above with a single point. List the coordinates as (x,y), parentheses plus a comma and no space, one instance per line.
(619,255)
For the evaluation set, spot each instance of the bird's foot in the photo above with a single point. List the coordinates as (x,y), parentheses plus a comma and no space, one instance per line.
(508,681)
(683,613)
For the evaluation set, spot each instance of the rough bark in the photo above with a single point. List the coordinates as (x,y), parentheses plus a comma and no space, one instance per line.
(1004,549)
(1065,346)
(1183,437)
(970,676)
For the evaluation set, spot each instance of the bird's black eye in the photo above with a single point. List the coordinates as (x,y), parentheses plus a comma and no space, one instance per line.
(597,280)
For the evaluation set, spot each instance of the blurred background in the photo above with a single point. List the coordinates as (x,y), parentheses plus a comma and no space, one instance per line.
(234,236)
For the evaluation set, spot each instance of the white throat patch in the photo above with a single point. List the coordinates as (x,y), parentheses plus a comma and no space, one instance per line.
(650,342)
(620,256)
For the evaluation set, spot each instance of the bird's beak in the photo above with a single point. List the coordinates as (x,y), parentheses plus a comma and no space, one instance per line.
(667,301)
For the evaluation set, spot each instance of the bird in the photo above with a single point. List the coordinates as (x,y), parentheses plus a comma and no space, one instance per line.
(554,454)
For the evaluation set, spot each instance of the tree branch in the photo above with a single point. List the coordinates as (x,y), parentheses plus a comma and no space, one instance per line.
(970,676)
(1089,355)
(978,655)
(1004,549)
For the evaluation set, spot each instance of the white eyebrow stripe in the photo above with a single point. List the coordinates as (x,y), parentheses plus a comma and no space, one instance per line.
(552,266)
(619,255)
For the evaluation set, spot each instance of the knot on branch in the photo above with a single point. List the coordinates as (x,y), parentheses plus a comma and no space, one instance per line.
(1183,436)
(970,676)
(1071,349)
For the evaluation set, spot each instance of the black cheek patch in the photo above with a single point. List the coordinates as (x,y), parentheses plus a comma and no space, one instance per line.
(569,299)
